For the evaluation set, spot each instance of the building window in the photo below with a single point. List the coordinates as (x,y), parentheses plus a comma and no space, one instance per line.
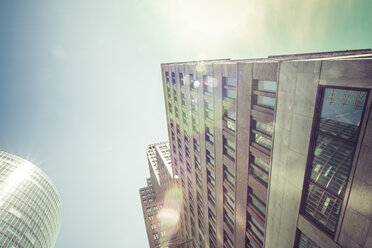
(153,226)
(212,217)
(185,117)
(336,137)
(176,112)
(210,158)
(267,86)
(197,163)
(265,128)
(208,110)
(209,135)
(265,93)
(212,235)
(211,178)
(227,242)
(262,140)
(192,80)
(229,148)
(229,93)
(230,117)
(305,242)
(265,101)
(229,81)
(229,88)
(198,180)
(195,124)
(163,234)
(199,198)
(173,78)
(229,176)
(229,198)
(209,83)
(183,99)
(181,79)
(228,220)
(211,197)
(156,236)
(169,92)
(196,145)
(255,228)
(231,114)
(260,170)
(194,104)
(167,77)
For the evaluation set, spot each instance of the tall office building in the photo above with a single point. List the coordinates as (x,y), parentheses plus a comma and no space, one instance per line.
(30,205)
(160,199)
(273,152)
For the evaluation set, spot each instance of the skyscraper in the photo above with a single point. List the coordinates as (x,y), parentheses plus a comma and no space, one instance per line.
(30,205)
(273,152)
(160,199)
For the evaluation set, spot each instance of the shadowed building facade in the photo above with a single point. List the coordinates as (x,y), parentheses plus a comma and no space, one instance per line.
(273,152)
(30,205)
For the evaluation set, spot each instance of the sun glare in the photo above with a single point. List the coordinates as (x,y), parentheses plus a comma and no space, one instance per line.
(170,214)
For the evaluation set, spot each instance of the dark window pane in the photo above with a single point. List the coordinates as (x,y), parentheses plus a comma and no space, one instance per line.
(342,112)
(305,242)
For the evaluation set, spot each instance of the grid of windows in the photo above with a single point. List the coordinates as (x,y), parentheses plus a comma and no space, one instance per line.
(332,155)
(262,118)
(30,207)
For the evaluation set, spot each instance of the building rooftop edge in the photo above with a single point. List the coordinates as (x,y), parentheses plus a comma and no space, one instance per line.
(285,57)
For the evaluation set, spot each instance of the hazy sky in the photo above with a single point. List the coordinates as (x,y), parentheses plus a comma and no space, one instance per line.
(81,93)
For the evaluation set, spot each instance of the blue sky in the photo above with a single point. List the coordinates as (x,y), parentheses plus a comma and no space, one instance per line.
(81,93)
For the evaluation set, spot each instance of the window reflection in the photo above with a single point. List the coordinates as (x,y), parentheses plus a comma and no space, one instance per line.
(331,164)
(336,139)
(341,112)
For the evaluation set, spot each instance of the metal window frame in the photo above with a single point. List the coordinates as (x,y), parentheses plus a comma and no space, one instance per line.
(312,146)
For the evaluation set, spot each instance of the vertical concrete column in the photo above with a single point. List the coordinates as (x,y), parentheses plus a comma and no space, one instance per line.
(244,82)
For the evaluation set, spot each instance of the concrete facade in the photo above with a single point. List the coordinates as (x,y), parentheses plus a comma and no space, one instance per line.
(243,137)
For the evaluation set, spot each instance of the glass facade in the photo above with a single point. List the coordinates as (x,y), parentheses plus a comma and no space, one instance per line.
(336,137)
(30,205)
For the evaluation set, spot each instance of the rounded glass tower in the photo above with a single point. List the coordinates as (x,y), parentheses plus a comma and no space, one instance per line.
(30,205)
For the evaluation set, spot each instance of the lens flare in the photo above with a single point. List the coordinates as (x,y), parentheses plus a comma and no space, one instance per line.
(201,68)
(170,214)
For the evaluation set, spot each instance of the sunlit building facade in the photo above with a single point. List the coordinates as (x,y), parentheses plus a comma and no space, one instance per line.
(30,205)
(159,198)
(273,152)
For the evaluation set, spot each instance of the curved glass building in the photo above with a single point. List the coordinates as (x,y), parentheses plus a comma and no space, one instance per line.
(30,205)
